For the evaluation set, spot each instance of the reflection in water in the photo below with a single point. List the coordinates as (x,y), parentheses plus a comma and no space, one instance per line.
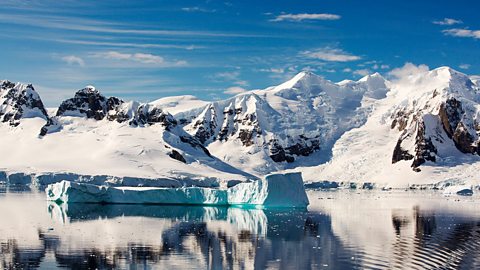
(340,233)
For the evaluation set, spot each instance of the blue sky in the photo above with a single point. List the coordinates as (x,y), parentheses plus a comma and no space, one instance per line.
(145,50)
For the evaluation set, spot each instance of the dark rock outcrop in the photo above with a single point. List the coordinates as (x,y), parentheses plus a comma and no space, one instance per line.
(88,102)
(176,155)
(148,115)
(451,114)
(303,147)
(424,150)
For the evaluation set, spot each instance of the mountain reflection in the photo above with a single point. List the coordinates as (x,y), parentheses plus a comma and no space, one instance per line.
(188,237)
(344,235)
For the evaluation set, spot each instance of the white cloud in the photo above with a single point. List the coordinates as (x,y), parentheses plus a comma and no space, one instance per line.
(198,9)
(362,72)
(447,21)
(127,44)
(273,70)
(409,72)
(73,60)
(229,76)
(234,90)
(456,32)
(331,55)
(143,58)
(347,70)
(464,66)
(384,66)
(305,16)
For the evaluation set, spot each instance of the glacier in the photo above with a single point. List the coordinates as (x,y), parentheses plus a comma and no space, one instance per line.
(274,190)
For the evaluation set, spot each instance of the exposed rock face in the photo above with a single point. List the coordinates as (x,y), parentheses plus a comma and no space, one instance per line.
(206,124)
(19,101)
(416,134)
(451,114)
(247,119)
(150,115)
(176,155)
(303,147)
(88,102)
(443,118)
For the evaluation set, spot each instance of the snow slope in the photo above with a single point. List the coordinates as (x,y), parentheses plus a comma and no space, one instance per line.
(177,104)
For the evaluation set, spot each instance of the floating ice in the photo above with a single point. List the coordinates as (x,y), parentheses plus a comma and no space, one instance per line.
(458,190)
(275,190)
(73,192)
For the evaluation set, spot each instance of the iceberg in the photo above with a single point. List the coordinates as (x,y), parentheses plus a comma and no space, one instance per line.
(458,190)
(275,190)
(74,192)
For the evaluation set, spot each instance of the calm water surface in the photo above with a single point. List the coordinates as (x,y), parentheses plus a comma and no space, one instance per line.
(340,230)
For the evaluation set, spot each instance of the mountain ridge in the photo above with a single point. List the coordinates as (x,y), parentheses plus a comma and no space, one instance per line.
(421,121)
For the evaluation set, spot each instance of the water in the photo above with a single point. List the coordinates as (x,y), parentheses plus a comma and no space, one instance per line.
(340,230)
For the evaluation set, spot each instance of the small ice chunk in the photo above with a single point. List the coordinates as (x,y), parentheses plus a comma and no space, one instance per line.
(458,190)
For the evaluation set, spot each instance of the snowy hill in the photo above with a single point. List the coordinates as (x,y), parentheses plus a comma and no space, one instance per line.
(425,131)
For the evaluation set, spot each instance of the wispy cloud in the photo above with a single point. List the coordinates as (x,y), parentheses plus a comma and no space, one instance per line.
(306,16)
(456,32)
(447,21)
(127,44)
(330,55)
(229,76)
(95,26)
(361,72)
(73,60)
(198,9)
(144,58)
(273,70)
(234,90)
(464,66)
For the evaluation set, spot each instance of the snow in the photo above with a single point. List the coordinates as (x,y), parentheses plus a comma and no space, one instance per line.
(88,148)
(276,190)
(178,104)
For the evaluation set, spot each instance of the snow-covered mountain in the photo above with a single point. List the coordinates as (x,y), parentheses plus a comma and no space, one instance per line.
(425,131)
(295,123)
(19,101)
(91,134)
(422,128)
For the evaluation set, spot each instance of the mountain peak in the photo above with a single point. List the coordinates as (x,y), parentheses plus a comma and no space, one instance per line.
(89,89)
(300,78)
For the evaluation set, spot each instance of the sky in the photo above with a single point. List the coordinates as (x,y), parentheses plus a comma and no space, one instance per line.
(145,50)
